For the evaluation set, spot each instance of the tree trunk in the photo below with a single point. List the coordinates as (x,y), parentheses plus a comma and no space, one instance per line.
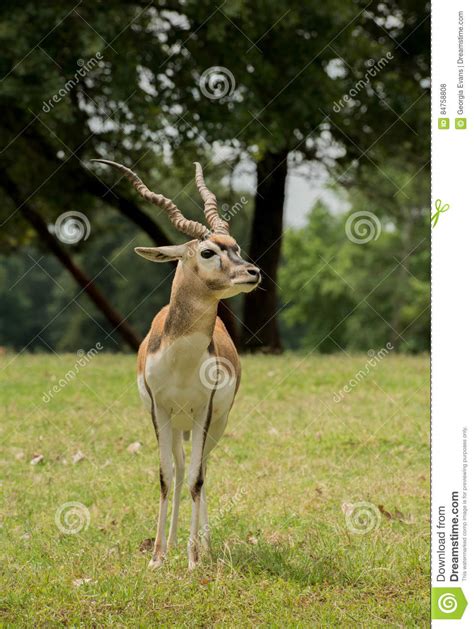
(260,331)
(115,319)
(36,221)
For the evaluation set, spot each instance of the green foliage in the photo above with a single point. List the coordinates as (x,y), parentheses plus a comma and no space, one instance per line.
(142,102)
(143,96)
(341,294)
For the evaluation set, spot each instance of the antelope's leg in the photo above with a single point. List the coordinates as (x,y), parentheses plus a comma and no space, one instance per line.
(165,437)
(178,455)
(196,481)
(215,432)
(203,519)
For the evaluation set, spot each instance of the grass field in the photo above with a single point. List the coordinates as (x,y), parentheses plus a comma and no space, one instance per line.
(288,541)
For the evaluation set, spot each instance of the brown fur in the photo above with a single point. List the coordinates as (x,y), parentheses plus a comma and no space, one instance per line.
(224,242)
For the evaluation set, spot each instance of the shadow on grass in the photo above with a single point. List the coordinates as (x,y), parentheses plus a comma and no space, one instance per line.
(295,562)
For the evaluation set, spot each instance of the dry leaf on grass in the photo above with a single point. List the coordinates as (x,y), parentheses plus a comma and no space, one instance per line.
(386,513)
(347,508)
(275,538)
(405,519)
(134,447)
(251,539)
(78,457)
(78,582)
(146,545)
(397,515)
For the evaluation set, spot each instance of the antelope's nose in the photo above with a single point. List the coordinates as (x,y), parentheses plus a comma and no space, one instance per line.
(254,272)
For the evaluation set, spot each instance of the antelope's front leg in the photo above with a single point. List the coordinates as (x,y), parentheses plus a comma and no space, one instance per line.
(196,482)
(178,455)
(165,438)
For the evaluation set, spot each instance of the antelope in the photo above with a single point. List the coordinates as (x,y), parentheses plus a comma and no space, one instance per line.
(188,367)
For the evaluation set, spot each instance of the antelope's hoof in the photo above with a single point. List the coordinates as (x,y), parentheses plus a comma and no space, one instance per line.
(193,558)
(156,562)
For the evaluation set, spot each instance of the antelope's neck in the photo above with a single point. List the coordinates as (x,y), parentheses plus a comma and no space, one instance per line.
(192,312)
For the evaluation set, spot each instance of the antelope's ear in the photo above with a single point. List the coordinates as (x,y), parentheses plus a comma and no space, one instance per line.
(162,254)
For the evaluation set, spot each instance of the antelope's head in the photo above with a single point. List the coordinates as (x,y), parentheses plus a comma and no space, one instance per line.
(212,260)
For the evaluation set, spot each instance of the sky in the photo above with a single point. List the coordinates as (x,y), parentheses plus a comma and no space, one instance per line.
(305,185)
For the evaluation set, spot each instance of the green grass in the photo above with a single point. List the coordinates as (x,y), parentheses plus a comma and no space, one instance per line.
(282,554)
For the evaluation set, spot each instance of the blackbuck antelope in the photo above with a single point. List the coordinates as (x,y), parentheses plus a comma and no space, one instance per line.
(188,366)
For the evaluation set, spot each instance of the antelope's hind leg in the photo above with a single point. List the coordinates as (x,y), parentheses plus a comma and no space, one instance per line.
(216,430)
(204,438)
(196,481)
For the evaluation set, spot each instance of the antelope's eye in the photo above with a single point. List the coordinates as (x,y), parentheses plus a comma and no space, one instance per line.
(207,253)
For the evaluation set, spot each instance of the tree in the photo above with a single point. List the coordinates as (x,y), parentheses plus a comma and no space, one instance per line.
(29,213)
(360,279)
(273,110)
(152,91)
